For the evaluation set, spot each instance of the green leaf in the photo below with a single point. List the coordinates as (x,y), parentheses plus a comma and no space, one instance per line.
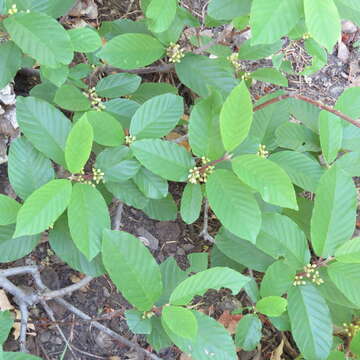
(8,210)
(137,323)
(334,215)
(131,51)
(234,204)
(212,340)
(198,262)
(228,9)
(84,39)
(214,278)
(349,10)
(171,276)
(346,278)
(117,85)
(64,247)
(11,248)
(166,159)
(158,338)
(78,145)
(6,323)
(107,130)
(349,252)
(161,14)
(355,344)
(150,89)
(10,62)
(57,75)
(88,216)
(117,164)
(45,91)
(297,137)
(128,193)
(204,127)
(281,237)
(331,134)
(200,73)
(278,279)
(161,209)
(41,37)
(272,19)
(43,207)
(269,179)
(303,170)
(157,116)
(236,117)
(45,126)
(270,75)
(250,255)
(191,201)
(248,332)
(54,8)
(315,50)
(132,268)
(350,163)
(323,22)
(272,306)
(248,51)
(180,321)
(310,322)
(302,217)
(19,356)
(151,185)
(122,110)
(71,98)
(307,113)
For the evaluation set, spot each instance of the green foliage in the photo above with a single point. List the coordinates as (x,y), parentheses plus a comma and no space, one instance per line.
(281,192)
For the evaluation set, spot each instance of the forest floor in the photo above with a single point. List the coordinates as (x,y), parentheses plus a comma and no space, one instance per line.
(166,238)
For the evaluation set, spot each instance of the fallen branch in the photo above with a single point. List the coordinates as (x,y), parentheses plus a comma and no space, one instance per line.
(310,101)
(204,233)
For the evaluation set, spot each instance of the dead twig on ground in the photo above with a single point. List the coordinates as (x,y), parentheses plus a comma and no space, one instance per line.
(204,232)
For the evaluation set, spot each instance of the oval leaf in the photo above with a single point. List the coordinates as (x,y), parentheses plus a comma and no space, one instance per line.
(272,306)
(8,210)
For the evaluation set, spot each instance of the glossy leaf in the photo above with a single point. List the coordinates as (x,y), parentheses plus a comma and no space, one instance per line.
(43,207)
(10,62)
(166,159)
(228,9)
(137,323)
(44,126)
(214,278)
(266,177)
(270,75)
(161,14)
(272,306)
(40,36)
(71,98)
(8,210)
(131,51)
(164,209)
(349,252)
(180,321)
(6,323)
(78,145)
(117,85)
(84,39)
(248,332)
(132,268)
(236,117)
(157,116)
(88,216)
(310,322)
(234,204)
(151,185)
(191,201)
(334,215)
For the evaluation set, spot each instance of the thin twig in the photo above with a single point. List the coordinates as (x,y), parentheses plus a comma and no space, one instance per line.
(104,329)
(204,233)
(118,215)
(23,325)
(310,101)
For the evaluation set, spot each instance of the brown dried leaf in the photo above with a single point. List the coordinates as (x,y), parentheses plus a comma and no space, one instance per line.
(276,354)
(229,321)
(4,302)
(184,356)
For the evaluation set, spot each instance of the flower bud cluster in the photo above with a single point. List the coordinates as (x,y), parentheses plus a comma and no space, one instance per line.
(262,152)
(95,100)
(175,53)
(93,179)
(246,76)
(199,174)
(13,10)
(306,36)
(351,329)
(234,60)
(129,139)
(311,274)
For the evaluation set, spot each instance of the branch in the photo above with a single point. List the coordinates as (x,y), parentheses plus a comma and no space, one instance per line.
(106,330)
(204,233)
(310,101)
(118,215)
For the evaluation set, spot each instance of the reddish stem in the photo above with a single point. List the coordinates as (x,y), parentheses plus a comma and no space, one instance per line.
(310,101)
